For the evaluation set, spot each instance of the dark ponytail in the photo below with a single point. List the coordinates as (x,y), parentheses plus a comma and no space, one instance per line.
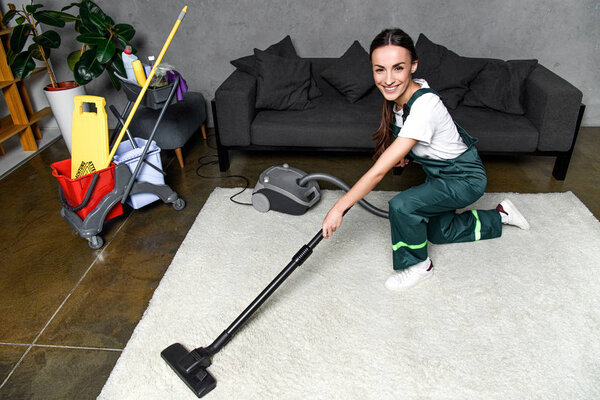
(383,137)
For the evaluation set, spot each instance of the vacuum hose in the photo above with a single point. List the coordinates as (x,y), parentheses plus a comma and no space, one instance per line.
(342,185)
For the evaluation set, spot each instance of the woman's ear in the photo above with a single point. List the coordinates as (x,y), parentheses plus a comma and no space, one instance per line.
(413,67)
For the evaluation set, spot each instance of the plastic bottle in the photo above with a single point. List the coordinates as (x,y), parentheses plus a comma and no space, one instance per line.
(128,59)
(140,74)
(148,67)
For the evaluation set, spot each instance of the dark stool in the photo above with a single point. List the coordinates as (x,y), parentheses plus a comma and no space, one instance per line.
(180,122)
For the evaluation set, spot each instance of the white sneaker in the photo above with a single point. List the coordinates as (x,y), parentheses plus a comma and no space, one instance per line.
(409,277)
(510,215)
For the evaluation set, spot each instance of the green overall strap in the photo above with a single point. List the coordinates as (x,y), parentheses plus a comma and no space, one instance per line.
(413,98)
(408,105)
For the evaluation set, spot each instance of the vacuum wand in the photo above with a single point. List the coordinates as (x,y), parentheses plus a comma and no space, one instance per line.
(191,366)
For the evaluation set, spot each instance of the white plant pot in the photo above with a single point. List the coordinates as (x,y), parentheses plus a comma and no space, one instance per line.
(62,105)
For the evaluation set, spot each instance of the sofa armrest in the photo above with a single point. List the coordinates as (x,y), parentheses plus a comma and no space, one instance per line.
(552,105)
(235,100)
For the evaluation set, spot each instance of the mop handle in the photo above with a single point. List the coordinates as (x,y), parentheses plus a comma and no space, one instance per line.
(145,87)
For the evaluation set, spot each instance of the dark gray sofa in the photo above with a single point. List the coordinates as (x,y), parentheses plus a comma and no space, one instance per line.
(549,126)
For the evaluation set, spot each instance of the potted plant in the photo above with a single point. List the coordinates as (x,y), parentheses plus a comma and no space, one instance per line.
(100,38)
(102,42)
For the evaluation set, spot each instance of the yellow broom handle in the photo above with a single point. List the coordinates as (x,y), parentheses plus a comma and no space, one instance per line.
(145,87)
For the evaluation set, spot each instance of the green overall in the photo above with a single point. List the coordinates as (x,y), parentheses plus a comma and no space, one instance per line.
(427,213)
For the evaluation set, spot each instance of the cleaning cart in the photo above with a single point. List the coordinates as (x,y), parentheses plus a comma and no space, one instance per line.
(136,177)
(92,191)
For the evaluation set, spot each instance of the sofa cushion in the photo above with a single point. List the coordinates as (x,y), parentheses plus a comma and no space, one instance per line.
(283,48)
(445,71)
(351,74)
(282,83)
(497,131)
(330,124)
(501,86)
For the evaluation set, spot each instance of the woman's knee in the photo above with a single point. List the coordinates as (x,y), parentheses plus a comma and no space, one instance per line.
(399,205)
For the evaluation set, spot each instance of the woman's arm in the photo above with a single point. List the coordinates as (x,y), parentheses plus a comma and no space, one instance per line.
(390,158)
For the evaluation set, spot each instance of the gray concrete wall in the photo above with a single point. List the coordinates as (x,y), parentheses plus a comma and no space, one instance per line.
(564,35)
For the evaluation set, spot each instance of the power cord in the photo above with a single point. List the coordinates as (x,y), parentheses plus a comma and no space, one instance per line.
(216,161)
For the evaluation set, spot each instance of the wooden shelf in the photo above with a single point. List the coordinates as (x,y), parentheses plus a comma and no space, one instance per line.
(4,84)
(22,120)
(8,129)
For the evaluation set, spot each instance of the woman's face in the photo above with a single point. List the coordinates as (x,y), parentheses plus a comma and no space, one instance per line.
(392,72)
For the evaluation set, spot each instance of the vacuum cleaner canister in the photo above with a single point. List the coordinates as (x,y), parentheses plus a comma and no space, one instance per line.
(278,189)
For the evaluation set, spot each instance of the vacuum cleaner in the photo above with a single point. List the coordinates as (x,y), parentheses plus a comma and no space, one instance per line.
(283,189)
(292,191)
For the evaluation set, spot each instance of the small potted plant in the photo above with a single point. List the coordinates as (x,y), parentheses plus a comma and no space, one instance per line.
(100,40)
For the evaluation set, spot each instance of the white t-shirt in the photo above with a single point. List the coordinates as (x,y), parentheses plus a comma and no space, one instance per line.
(430,123)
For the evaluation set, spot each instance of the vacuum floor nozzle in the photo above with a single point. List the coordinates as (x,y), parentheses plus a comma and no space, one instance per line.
(190,366)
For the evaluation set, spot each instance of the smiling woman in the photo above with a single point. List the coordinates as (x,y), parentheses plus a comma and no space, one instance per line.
(416,125)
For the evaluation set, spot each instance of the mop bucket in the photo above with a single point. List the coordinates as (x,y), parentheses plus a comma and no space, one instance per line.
(127,154)
(75,191)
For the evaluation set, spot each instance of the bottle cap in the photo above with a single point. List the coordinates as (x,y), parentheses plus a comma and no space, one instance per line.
(127,49)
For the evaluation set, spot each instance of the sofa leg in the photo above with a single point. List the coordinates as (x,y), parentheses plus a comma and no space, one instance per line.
(222,152)
(223,159)
(561,165)
(203,128)
(179,155)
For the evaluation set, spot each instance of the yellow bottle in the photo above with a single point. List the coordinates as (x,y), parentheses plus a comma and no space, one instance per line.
(140,74)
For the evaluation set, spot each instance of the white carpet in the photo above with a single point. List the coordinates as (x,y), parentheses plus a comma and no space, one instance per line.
(512,318)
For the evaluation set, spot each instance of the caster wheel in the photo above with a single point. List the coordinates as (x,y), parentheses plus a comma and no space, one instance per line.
(179,204)
(95,242)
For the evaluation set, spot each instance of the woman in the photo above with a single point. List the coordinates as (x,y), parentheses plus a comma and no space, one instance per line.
(416,125)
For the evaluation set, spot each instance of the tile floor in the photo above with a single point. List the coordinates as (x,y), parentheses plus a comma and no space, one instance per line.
(67,311)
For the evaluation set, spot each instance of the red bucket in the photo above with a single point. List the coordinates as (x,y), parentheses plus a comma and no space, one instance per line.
(74,190)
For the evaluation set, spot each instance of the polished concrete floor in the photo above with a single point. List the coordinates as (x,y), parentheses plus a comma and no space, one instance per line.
(67,311)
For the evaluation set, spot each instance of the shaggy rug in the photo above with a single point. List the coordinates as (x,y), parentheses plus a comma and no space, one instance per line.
(511,318)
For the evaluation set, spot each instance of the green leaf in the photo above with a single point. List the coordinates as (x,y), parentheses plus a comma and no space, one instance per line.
(81,28)
(125,31)
(49,39)
(19,37)
(20,20)
(117,64)
(72,59)
(8,16)
(23,65)
(48,18)
(32,8)
(87,68)
(125,43)
(36,53)
(105,51)
(10,56)
(65,8)
(91,38)
(92,15)
(115,81)
(63,16)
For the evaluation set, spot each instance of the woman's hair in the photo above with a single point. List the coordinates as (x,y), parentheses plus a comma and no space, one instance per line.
(383,137)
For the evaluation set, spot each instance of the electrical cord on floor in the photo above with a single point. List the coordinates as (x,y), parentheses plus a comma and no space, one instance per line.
(216,161)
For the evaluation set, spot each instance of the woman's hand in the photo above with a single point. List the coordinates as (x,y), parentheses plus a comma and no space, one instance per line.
(403,163)
(332,221)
